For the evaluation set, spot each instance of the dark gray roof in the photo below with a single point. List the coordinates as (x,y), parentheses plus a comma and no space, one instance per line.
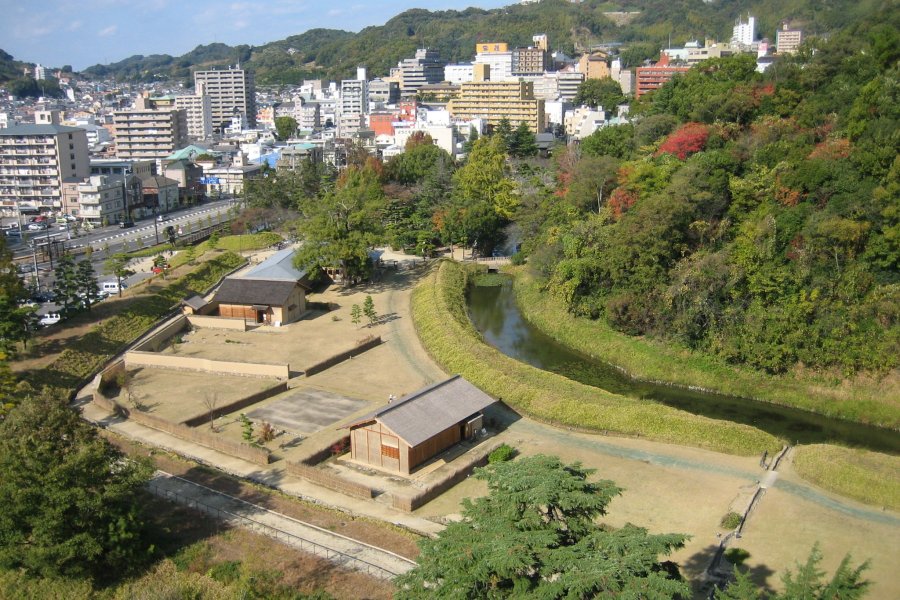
(195,302)
(32,129)
(235,290)
(429,411)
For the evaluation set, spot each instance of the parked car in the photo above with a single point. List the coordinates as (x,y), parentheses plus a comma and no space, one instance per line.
(25,268)
(41,297)
(50,319)
(37,226)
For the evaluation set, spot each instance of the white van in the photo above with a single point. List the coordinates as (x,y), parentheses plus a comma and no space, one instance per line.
(111,287)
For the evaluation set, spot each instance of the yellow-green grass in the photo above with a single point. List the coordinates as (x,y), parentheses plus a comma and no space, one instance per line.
(87,354)
(441,320)
(230,243)
(866,401)
(869,477)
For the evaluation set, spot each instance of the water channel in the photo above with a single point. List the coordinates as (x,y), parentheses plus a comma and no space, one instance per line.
(494,313)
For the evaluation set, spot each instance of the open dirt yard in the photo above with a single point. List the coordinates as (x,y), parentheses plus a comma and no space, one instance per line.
(180,395)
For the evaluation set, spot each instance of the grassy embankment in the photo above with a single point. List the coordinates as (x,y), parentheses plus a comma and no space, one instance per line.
(869,477)
(439,312)
(862,401)
(83,356)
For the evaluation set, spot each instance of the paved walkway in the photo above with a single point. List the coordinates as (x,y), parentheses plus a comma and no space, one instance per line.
(293,532)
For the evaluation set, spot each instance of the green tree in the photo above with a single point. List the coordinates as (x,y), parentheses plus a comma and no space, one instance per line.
(355,314)
(88,289)
(470,141)
(503,132)
(70,500)
(118,266)
(616,141)
(522,142)
(535,535)
(368,309)
(67,287)
(604,94)
(341,228)
(285,127)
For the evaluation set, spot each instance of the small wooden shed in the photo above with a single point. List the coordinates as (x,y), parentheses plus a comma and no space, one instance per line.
(409,431)
(261,301)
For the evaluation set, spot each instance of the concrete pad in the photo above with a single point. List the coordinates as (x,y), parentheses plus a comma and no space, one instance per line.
(307,411)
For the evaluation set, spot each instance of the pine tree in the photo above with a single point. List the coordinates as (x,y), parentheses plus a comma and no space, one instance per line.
(88,289)
(534,536)
(66,286)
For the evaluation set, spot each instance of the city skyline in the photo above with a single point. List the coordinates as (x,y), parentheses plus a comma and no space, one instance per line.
(82,34)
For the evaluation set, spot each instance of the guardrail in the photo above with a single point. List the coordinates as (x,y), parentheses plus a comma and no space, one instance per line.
(275,533)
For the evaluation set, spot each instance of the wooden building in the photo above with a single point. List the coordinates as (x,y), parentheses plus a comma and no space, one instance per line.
(409,431)
(273,292)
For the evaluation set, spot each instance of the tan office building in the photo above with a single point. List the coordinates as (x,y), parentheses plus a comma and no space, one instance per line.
(495,100)
(229,91)
(35,160)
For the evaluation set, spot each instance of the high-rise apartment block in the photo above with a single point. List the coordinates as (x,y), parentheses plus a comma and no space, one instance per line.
(353,105)
(35,160)
(230,90)
(424,68)
(152,129)
(787,40)
(496,100)
(744,33)
(198,112)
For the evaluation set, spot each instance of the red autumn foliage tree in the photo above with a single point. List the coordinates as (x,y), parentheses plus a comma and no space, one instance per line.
(621,200)
(686,140)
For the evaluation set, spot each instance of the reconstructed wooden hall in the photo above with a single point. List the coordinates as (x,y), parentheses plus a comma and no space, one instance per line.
(409,431)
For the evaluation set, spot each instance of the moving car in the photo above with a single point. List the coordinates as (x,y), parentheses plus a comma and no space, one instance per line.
(126,224)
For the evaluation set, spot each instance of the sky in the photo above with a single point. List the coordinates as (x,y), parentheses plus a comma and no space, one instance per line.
(82,33)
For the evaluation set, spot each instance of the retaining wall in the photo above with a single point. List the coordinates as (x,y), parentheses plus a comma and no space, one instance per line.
(412,502)
(161,336)
(326,479)
(342,356)
(186,363)
(217,322)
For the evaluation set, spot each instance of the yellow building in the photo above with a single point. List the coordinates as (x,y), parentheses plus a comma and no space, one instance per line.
(483,47)
(594,65)
(495,100)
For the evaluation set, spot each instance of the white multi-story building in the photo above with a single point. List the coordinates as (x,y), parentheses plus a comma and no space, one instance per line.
(744,34)
(558,85)
(35,160)
(459,73)
(198,111)
(230,90)
(500,63)
(40,72)
(353,104)
(101,200)
(787,40)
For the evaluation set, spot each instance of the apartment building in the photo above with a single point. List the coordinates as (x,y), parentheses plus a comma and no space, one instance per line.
(102,200)
(558,85)
(533,60)
(35,160)
(353,104)
(594,65)
(230,90)
(424,68)
(787,40)
(198,113)
(655,76)
(383,92)
(459,73)
(152,129)
(495,100)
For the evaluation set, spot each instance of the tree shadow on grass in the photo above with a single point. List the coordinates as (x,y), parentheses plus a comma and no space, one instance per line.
(695,570)
(232,486)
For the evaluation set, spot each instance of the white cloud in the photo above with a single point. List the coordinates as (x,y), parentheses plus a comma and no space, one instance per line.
(75,25)
(108,31)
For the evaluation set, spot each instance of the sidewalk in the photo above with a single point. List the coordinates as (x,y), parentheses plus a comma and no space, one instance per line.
(334,546)
(271,476)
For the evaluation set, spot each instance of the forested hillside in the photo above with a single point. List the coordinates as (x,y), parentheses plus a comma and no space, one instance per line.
(336,54)
(754,217)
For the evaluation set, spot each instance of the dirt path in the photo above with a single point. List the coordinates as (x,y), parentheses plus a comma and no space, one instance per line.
(293,532)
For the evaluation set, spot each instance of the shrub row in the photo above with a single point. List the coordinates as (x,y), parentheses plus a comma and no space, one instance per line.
(866,402)
(440,317)
(85,355)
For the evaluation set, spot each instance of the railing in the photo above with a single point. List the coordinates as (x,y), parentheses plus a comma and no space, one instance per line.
(275,533)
